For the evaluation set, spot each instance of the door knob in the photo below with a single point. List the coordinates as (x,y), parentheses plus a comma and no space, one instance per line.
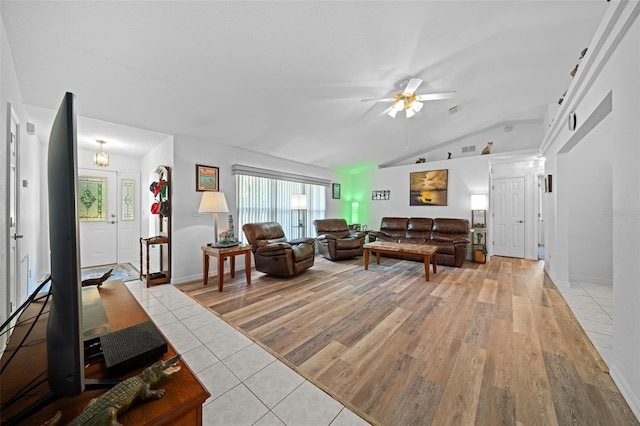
(521,221)
(113,221)
(17,236)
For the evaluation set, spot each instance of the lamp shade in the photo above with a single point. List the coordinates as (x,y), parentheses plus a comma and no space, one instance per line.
(213,202)
(478,202)
(299,202)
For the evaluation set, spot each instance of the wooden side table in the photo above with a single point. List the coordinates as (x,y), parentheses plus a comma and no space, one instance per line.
(222,253)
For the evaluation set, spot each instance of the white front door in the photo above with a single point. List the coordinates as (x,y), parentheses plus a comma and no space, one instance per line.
(97,211)
(508,217)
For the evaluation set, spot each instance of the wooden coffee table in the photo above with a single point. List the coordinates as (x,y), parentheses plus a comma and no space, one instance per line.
(417,250)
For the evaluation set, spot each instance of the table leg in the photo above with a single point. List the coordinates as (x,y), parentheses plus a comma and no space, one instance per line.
(366,259)
(220,271)
(247,266)
(205,268)
(378,257)
(434,261)
(426,266)
(232,265)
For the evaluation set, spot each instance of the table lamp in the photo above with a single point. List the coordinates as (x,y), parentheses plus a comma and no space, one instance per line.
(213,202)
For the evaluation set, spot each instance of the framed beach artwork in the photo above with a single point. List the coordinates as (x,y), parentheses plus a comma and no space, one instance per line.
(428,188)
(207,178)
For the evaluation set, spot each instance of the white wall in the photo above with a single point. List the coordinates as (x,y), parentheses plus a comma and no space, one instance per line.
(191,230)
(467,176)
(611,67)
(590,207)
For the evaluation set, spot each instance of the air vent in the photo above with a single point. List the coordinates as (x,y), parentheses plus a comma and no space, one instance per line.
(454,109)
(470,148)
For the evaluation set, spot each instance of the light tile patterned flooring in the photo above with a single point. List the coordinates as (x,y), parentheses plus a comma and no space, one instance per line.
(248,385)
(592,304)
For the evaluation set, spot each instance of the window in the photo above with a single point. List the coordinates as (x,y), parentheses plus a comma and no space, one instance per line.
(267,199)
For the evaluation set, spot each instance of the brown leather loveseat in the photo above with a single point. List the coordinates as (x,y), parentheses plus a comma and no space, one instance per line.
(274,254)
(451,236)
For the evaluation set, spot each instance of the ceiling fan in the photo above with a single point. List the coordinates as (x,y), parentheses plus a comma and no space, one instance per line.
(408,101)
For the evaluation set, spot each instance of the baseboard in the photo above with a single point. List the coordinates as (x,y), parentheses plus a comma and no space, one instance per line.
(626,391)
(558,283)
(607,282)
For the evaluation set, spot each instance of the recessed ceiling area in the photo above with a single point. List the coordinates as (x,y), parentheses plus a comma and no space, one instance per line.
(286,79)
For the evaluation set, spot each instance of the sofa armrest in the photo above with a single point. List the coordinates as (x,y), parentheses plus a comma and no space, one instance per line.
(461,240)
(325,237)
(272,247)
(357,234)
(303,240)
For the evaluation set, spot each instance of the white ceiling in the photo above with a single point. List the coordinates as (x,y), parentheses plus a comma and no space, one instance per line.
(287,78)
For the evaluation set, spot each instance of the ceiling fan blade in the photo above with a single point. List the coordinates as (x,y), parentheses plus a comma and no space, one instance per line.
(386,111)
(412,85)
(435,96)
(378,100)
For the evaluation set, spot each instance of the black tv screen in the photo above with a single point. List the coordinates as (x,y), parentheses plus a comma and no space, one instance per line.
(65,348)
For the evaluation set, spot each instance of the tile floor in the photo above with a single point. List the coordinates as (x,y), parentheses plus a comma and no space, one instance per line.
(248,385)
(592,305)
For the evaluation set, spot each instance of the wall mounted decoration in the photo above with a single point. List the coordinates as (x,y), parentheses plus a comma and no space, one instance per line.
(428,188)
(207,178)
(548,183)
(380,195)
(335,191)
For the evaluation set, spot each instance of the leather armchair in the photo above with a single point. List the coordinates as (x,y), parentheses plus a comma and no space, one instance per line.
(336,240)
(274,254)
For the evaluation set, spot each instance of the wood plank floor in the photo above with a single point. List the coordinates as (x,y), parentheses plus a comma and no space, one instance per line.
(485,344)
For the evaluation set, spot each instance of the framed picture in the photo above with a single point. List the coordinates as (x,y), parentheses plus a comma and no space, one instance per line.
(335,191)
(207,178)
(428,188)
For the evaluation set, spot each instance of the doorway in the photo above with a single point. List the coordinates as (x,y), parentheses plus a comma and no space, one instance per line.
(508,217)
(97,212)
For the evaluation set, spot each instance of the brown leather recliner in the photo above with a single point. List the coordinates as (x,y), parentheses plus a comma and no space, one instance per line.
(336,240)
(274,254)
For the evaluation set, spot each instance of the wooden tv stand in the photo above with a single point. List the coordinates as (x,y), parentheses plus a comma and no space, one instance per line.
(180,405)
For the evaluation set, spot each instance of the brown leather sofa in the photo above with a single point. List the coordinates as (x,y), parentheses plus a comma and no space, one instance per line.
(336,240)
(274,254)
(451,236)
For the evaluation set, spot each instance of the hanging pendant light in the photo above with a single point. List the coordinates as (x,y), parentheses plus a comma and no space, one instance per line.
(101,158)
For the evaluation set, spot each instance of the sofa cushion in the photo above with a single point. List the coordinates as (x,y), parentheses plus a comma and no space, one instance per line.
(444,247)
(302,251)
(419,227)
(395,227)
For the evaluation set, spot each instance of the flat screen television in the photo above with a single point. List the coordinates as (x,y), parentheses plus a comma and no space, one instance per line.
(65,347)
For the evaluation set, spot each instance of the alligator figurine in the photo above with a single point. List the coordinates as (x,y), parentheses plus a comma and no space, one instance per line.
(97,281)
(104,410)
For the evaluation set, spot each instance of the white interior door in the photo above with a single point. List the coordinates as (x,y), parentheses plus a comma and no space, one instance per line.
(98,212)
(508,217)
(14,203)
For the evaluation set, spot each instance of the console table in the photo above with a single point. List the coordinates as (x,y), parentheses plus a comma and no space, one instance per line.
(180,405)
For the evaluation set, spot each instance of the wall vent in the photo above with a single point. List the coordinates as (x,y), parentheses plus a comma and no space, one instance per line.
(454,109)
(470,148)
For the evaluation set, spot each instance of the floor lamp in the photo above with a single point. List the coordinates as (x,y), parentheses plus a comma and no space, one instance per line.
(213,202)
(299,203)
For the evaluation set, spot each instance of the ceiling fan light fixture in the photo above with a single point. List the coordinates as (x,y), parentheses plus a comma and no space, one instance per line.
(392,113)
(410,112)
(416,106)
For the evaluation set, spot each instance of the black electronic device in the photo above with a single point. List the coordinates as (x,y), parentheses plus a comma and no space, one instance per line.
(132,347)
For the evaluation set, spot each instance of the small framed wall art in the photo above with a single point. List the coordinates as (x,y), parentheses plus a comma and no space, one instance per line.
(207,178)
(335,191)
(381,195)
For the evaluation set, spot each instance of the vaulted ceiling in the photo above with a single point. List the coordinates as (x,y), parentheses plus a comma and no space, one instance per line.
(287,78)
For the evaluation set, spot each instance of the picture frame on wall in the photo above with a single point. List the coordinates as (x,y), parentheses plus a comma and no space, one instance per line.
(207,178)
(429,188)
(335,191)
